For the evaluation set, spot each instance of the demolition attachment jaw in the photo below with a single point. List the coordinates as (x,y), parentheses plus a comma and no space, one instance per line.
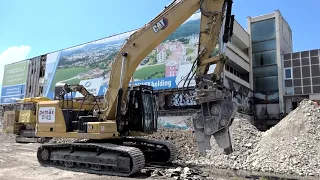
(217,113)
(217,108)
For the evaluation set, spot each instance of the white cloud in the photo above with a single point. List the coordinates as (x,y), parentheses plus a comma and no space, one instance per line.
(11,55)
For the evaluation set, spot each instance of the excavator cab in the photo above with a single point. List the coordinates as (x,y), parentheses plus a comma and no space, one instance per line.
(141,114)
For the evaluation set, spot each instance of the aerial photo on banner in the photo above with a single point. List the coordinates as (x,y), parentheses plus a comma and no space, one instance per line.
(90,64)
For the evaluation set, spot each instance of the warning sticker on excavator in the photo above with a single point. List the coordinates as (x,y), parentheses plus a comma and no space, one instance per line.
(47,114)
(102,128)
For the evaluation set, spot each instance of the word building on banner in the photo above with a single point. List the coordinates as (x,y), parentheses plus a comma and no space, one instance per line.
(47,114)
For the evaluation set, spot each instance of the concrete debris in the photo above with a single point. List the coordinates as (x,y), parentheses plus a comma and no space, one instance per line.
(179,173)
(292,146)
(183,139)
(244,138)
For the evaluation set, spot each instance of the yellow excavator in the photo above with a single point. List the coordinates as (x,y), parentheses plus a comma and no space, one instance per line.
(19,119)
(114,128)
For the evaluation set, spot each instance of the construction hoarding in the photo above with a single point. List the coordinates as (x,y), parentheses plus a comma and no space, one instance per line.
(14,81)
(90,64)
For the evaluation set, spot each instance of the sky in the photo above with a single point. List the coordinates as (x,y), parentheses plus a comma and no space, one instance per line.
(35,27)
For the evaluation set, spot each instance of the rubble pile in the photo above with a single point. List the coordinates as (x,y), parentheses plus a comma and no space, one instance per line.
(184,140)
(244,137)
(293,145)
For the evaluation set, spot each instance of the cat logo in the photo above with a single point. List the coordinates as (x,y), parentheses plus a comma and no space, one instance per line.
(160,25)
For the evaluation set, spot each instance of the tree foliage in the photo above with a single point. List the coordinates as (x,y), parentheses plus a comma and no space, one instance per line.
(185,30)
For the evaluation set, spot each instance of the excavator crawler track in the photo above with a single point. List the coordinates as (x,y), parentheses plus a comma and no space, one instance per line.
(155,151)
(102,158)
(115,157)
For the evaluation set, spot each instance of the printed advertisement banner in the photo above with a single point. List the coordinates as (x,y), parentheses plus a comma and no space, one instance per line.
(164,68)
(12,90)
(14,80)
(15,74)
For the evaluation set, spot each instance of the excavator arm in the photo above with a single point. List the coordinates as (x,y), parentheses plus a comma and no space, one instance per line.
(67,88)
(209,87)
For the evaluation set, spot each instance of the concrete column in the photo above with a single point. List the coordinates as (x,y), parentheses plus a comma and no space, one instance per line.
(250,53)
(278,27)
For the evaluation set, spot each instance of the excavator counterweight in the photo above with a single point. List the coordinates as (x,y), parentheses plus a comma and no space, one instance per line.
(113,126)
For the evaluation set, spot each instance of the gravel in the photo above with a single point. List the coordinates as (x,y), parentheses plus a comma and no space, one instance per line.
(293,145)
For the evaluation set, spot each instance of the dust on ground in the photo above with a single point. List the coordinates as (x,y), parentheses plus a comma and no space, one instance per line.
(18,161)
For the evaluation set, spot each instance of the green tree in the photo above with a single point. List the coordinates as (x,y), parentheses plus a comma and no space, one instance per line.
(184,40)
(94,65)
(113,55)
(102,65)
(189,51)
(187,29)
(168,53)
(152,58)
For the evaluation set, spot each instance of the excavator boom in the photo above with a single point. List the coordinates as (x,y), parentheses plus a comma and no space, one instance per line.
(144,40)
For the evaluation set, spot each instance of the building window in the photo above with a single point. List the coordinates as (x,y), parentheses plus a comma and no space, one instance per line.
(231,69)
(266,84)
(265,71)
(263,30)
(227,68)
(265,58)
(289,91)
(264,46)
(235,72)
(287,73)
